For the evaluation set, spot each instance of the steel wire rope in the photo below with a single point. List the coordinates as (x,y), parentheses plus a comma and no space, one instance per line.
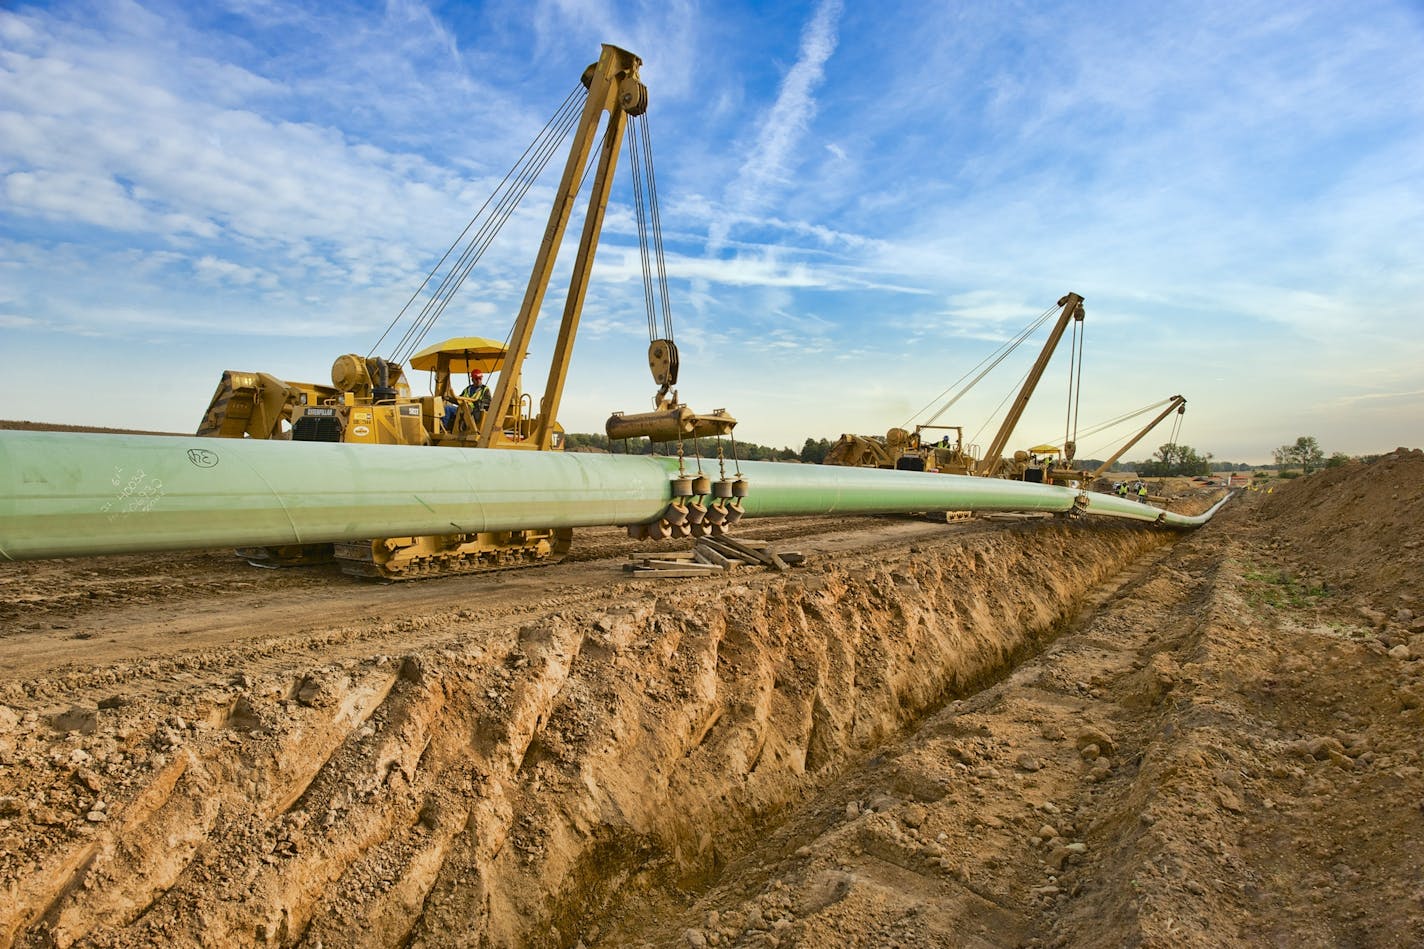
(640,214)
(657,225)
(414,296)
(993,415)
(1075,385)
(1101,427)
(454,278)
(502,216)
(998,356)
(578,190)
(533,163)
(503,211)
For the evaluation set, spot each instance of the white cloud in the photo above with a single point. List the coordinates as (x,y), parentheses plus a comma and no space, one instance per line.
(768,167)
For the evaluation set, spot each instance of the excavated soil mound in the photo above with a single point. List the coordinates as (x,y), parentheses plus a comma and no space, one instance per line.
(1361,524)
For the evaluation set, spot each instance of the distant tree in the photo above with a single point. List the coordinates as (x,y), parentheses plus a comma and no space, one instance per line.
(1172,459)
(1336,460)
(1305,452)
(814,451)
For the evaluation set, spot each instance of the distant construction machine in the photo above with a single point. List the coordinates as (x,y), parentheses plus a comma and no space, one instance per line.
(370,400)
(920,450)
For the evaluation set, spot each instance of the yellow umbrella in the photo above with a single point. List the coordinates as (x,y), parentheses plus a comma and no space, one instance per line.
(461,354)
(1045,450)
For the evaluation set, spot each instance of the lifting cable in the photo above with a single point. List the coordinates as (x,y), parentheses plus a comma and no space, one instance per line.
(650,230)
(1000,407)
(505,199)
(543,151)
(1101,427)
(1126,417)
(1176,428)
(992,360)
(1075,385)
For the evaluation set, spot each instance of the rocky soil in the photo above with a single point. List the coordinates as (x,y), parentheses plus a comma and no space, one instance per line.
(1006,732)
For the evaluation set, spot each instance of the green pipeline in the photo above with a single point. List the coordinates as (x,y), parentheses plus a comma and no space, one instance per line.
(73,494)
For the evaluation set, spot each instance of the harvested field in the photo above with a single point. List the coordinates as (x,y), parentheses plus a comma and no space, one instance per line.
(993,732)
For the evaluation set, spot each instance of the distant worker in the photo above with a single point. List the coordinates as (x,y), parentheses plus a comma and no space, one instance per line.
(1142,492)
(476,393)
(1121,489)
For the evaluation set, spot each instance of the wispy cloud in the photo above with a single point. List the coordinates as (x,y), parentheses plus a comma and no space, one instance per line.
(769,165)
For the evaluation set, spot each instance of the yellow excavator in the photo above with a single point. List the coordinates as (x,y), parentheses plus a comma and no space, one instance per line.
(370,400)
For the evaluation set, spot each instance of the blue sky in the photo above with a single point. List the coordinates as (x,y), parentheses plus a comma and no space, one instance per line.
(859,202)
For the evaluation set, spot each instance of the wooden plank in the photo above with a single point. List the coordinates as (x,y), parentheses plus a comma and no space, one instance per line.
(766,557)
(666,565)
(709,554)
(672,573)
(720,545)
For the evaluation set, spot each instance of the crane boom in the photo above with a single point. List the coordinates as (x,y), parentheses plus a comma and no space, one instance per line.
(1177,404)
(613,87)
(1072,305)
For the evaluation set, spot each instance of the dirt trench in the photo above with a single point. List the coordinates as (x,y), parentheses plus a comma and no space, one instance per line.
(506,781)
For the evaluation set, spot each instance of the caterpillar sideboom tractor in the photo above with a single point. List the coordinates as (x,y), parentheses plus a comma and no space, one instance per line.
(369,400)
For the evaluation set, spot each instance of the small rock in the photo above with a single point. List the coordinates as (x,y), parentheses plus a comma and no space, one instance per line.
(96,817)
(913,815)
(852,810)
(1090,752)
(1372,616)
(1229,800)
(76,719)
(88,779)
(310,694)
(8,719)
(1028,762)
(1048,832)
(1077,847)
(1400,652)
(1096,736)
(695,937)
(1322,748)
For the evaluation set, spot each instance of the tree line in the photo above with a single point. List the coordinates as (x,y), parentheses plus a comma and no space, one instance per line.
(1170,460)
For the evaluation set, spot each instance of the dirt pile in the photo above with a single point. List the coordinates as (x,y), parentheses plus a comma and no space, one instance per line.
(1361,524)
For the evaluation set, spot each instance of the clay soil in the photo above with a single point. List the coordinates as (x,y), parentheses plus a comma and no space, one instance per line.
(998,732)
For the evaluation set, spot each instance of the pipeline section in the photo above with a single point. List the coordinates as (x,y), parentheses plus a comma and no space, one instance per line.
(68,494)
